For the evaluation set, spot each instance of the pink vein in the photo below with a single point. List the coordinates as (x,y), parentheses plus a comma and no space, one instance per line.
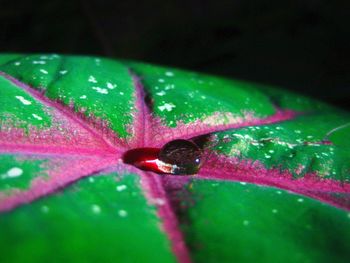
(142,119)
(108,146)
(187,131)
(246,171)
(68,172)
(155,192)
(151,183)
(56,151)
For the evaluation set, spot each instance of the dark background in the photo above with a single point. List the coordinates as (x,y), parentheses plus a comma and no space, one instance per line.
(300,45)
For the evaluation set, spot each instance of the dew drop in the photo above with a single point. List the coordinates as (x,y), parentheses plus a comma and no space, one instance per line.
(183,155)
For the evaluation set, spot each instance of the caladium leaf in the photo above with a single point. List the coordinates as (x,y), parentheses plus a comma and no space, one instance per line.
(63,118)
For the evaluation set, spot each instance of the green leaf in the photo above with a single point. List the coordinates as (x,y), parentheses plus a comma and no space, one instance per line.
(104,218)
(64,118)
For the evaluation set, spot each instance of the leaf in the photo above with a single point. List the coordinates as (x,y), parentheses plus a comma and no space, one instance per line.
(63,118)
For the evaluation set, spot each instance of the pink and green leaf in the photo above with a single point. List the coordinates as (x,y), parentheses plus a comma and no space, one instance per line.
(63,118)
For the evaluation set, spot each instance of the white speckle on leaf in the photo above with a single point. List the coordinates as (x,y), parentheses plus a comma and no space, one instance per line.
(274,211)
(169,86)
(166,106)
(45,209)
(92,79)
(161,80)
(243,183)
(44,71)
(121,93)
(279,192)
(245,222)
(100,90)
(96,209)
(37,117)
(203,97)
(82,97)
(62,72)
(91,179)
(39,62)
(297,131)
(121,187)
(23,100)
(169,74)
(17,63)
(161,93)
(122,213)
(159,201)
(14,172)
(300,200)
(267,156)
(111,85)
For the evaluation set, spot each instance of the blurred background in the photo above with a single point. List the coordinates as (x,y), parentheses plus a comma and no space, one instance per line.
(299,45)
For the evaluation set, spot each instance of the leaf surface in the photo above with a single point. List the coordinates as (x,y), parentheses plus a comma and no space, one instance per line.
(63,118)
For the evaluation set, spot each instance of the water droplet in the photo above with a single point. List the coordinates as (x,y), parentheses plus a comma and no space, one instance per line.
(183,155)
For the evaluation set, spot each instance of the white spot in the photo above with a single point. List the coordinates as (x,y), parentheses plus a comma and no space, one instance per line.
(45,209)
(13,172)
(161,80)
(82,97)
(121,188)
(271,151)
(169,74)
(348,215)
(279,192)
(166,106)
(92,79)
(111,86)
(159,201)
(267,156)
(39,62)
(62,72)
(37,117)
(122,213)
(169,86)
(203,97)
(161,93)
(96,209)
(274,211)
(121,93)
(100,90)
(17,63)
(23,100)
(91,179)
(297,131)
(44,71)
(245,222)
(243,183)
(300,200)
